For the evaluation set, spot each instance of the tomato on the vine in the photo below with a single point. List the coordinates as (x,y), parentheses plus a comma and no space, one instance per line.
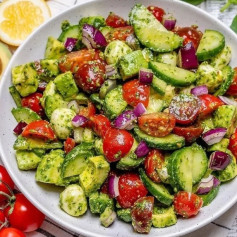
(11,232)
(23,215)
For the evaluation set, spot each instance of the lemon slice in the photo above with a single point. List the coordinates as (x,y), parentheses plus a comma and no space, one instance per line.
(18,18)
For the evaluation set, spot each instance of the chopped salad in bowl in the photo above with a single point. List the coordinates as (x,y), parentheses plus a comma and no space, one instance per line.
(133,118)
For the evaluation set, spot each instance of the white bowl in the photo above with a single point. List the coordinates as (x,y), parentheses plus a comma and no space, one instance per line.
(46,197)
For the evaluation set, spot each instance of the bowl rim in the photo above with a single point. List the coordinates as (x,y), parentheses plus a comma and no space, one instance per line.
(41,206)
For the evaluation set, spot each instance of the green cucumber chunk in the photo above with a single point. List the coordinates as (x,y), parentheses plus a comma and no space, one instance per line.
(209,197)
(24,114)
(15,95)
(159,85)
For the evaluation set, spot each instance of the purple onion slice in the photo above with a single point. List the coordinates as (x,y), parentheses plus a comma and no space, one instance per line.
(206,185)
(169,21)
(214,135)
(19,128)
(227,100)
(126,120)
(79,120)
(139,109)
(145,76)
(199,90)
(70,44)
(113,186)
(219,160)
(142,149)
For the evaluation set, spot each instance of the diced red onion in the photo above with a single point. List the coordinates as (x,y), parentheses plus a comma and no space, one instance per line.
(142,149)
(73,105)
(145,76)
(131,41)
(94,36)
(42,85)
(206,185)
(79,120)
(126,120)
(113,186)
(169,21)
(216,182)
(187,57)
(199,90)
(214,135)
(19,128)
(110,70)
(227,100)
(139,109)
(219,160)
(70,43)
(86,42)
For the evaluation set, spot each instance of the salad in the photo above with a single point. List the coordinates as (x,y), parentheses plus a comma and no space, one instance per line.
(135,119)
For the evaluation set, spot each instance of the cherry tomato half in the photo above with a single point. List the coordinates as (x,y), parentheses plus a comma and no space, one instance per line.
(157,124)
(115,21)
(135,92)
(88,111)
(131,189)
(116,144)
(33,102)
(100,124)
(39,129)
(90,76)
(141,214)
(233,87)
(233,144)
(120,33)
(185,108)
(153,162)
(11,232)
(69,144)
(5,180)
(157,12)
(187,204)
(24,215)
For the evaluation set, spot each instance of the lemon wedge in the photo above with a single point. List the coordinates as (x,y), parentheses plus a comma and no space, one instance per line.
(18,18)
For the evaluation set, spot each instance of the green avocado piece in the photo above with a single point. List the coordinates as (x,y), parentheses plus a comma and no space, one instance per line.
(220,146)
(48,68)
(54,49)
(124,214)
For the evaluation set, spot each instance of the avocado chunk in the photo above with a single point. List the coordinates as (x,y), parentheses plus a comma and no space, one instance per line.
(107,217)
(48,68)
(94,174)
(226,117)
(27,160)
(24,114)
(25,79)
(99,201)
(163,217)
(131,63)
(66,85)
(49,91)
(5,57)
(49,169)
(99,146)
(124,215)
(73,200)
(220,146)
(54,49)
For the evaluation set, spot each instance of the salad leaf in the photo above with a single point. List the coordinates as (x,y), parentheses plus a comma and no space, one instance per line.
(233,25)
(227,5)
(194,2)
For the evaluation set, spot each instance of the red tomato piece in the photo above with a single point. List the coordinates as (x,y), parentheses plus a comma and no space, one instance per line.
(157,12)
(90,76)
(185,108)
(209,103)
(141,214)
(5,180)
(33,102)
(190,133)
(153,162)
(157,124)
(233,87)
(120,33)
(11,232)
(39,129)
(88,111)
(100,124)
(69,144)
(115,21)
(187,204)
(24,215)
(131,189)
(116,144)
(233,144)
(189,34)
(2,218)
(135,92)
(74,60)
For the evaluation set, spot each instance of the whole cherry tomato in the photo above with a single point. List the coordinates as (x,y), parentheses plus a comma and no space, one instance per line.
(11,232)
(5,180)
(154,161)
(135,92)
(157,12)
(141,214)
(23,215)
(187,204)
(33,102)
(115,21)
(116,144)
(69,144)
(157,124)
(233,87)
(131,189)
(100,124)
(90,76)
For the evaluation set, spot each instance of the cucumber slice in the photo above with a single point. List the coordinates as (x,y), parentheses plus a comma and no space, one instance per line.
(173,75)
(212,43)
(169,142)
(228,75)
(159,85)
(209,197)
(150,32)
(15,95)
(24,114)
(70,32)
(159,191)
(95,98)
